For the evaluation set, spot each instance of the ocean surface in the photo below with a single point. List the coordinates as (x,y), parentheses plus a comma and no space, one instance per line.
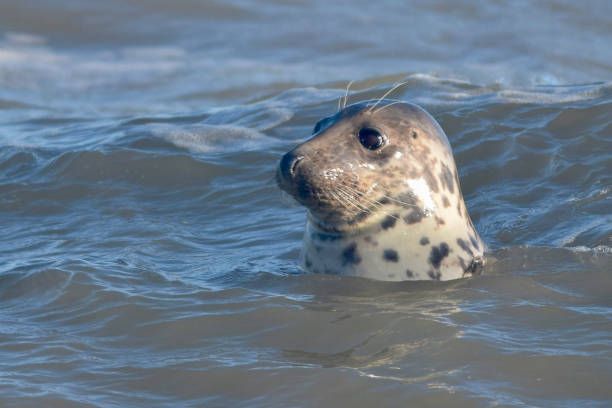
(148,259)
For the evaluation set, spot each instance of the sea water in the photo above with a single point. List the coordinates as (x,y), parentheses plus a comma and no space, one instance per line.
(147,258)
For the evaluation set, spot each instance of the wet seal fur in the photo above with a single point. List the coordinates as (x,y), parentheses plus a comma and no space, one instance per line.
(380,185)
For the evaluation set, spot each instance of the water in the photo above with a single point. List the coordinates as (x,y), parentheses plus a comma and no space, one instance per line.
(148,259)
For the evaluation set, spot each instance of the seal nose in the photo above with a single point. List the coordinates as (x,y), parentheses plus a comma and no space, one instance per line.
(289,163)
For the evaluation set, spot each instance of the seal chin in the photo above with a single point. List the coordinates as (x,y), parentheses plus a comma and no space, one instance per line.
(337,222)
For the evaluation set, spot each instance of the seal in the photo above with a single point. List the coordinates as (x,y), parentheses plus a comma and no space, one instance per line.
(382,194)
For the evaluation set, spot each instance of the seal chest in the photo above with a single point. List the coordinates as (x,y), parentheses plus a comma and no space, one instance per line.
(380,185)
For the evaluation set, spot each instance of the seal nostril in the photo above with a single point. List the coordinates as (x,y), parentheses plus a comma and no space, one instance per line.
(294,164)
(289,163)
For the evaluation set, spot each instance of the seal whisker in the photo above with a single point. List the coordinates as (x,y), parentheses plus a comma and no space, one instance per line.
(386,106)
(348,86)
(378,205)
(400,202)
(356,197)
(351,208)
(331,194)
(351,200)
(356,194)
(386,94)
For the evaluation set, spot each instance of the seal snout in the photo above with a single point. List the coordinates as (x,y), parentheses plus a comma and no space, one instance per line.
(289,177)
(294,176)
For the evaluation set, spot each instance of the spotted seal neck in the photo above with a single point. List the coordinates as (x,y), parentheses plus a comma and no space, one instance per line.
(404,245)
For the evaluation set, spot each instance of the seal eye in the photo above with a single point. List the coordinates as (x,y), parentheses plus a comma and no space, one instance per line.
(371,138)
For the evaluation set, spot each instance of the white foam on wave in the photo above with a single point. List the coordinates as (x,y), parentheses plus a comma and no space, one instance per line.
(552,95)
(147,79)
(449,90)
(24,38)
(305,96)
(154,78)
(204,138)
(28,63)
(570,238)
(261,116)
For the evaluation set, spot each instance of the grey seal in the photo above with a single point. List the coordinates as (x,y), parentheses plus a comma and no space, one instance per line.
(380,185)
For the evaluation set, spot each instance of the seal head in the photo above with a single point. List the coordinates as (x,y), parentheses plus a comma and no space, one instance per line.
(380,185)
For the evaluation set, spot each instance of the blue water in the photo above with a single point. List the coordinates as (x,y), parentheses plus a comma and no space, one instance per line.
(149,259)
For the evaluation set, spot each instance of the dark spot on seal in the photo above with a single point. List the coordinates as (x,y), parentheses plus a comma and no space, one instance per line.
(430,179)
(473,268)
(360,217)
(308,262)
(476,266)
(407,198)
(350,255)
(390,255)
(416,215)
(435,275)
(447,179)
(384,200)
(445,202)
(414,134)
(464,245)
(424,241)
(370,240)
(474,242)
(389,221)
(437,254)
(409,273)
(439,221)
(322,236)
(459,208)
